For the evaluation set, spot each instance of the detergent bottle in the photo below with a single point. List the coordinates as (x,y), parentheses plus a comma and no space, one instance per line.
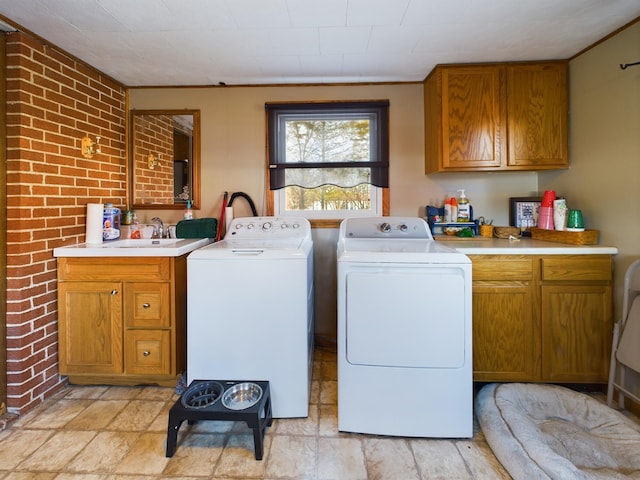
(110,222)
(464,207)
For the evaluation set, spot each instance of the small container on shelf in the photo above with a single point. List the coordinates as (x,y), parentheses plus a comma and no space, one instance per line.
(486,230)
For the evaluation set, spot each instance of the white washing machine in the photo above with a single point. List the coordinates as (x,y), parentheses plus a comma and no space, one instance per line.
(404,331)
(250,309)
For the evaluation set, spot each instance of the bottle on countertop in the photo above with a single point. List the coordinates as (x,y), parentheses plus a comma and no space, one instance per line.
(454,210)
(447,210)
(110,222)
(134,228)
(464,207)
(188,213)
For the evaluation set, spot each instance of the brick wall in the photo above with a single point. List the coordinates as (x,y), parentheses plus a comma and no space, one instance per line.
(52,102)
(154,135)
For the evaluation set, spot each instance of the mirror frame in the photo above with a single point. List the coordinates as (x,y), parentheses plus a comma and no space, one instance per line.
(195,162)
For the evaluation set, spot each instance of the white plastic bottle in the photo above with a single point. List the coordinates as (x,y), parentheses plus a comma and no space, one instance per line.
(447,210)
(464,207)
(454,210)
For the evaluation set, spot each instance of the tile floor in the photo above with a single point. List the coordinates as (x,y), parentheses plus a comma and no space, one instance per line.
(99,432)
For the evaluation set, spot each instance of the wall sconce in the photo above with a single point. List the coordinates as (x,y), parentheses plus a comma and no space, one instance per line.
(153,161)
(89,147)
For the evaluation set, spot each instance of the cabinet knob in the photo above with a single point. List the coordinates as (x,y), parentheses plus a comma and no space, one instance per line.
(146,353)
(114,292)
(146,305)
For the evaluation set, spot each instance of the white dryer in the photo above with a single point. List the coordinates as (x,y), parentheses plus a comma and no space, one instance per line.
(250,309)
(404,331)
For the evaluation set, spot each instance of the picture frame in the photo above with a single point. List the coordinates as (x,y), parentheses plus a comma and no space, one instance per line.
(523,213)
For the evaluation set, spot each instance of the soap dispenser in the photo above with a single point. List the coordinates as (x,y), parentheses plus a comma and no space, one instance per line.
(188,213)
(464,207)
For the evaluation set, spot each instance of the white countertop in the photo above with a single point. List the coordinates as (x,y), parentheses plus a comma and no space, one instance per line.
(523,246)
(166,247)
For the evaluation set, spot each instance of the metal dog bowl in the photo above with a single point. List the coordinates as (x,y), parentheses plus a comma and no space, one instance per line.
(242,395)
(201,394)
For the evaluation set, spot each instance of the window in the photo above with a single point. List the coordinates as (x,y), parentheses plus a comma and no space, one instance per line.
(328,160)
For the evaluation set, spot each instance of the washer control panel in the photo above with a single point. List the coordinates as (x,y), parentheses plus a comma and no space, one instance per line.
(268,227)
(386,227)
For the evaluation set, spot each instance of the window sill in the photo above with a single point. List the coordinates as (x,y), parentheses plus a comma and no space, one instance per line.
(325,223)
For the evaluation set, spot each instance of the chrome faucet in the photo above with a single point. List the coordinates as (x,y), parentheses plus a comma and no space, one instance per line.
(158,229)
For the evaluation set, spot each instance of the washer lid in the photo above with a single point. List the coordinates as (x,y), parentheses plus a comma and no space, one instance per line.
(397,251)
(250,249)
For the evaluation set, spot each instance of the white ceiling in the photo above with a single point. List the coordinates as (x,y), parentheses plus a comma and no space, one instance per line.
(204,42)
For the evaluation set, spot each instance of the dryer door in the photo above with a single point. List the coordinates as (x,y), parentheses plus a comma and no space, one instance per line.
(406,316)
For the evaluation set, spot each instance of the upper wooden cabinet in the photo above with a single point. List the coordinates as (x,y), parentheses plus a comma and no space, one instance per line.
(487,117)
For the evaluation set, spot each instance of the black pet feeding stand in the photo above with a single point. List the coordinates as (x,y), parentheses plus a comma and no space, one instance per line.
(203,400)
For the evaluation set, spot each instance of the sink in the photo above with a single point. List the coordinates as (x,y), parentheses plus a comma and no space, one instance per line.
(149,247)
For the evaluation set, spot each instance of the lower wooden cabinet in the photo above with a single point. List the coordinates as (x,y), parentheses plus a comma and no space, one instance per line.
(90,327)
(542,318)
(576,318)
(122,320)
(503,333)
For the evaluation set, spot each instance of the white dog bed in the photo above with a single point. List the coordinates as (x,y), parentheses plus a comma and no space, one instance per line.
(551,432)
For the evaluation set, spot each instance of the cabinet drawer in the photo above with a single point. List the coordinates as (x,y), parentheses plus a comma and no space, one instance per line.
(147,305)
(147,352)
(579,267)
(496,267)
(114,268)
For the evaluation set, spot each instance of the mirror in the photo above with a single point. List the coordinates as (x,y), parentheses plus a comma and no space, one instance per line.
(164,159)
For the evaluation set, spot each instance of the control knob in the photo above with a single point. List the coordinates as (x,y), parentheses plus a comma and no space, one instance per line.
(385,227)
(266,226)
(403,227)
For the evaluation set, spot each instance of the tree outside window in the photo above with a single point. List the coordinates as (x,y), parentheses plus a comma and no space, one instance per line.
(329,157)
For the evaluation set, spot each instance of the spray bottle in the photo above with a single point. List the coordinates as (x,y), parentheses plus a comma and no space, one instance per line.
(454,210)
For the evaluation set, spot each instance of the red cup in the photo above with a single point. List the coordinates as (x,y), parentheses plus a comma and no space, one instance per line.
(547,198)
(545,218)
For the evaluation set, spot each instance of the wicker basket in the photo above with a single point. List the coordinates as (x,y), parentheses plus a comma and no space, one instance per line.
(486,230)
(506,232)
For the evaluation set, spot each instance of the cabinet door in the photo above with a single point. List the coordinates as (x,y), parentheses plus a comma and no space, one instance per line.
(576,333)
(503,333)
(473,117)
(90,327)
(537,112)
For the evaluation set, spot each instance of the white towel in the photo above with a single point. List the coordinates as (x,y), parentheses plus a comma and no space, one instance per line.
(629,347)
